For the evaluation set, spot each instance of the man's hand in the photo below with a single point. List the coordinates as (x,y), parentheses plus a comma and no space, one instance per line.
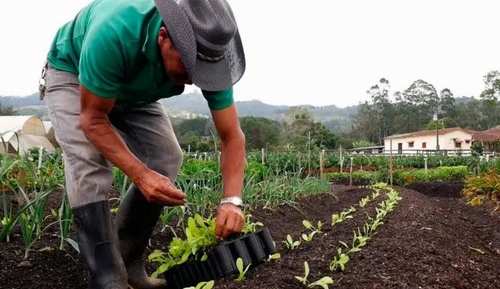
(229,220)
(158,188)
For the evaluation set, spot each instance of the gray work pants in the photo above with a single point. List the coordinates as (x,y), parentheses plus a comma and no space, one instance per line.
(146,130)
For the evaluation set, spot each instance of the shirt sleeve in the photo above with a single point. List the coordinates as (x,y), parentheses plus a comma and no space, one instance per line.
(101,66)
(218,100)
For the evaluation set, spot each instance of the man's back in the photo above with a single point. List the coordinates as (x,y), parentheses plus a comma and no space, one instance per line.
(111,45)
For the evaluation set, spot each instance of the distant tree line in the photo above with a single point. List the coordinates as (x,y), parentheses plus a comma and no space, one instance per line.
(418,107)
(298,131)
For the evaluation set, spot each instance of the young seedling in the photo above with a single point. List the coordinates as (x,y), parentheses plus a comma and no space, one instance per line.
(339,261)
(364,201)
(313,230)
(290,243)
(251,227)
(241,270)
(203,285)
(342,216)
(323,283)
(303,280)
(275,256)
(375,194)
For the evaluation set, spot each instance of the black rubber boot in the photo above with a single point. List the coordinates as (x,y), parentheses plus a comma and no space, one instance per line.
(136,221)
(99,246)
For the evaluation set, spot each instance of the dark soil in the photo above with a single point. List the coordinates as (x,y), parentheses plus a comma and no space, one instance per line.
(438,189)
(427,242)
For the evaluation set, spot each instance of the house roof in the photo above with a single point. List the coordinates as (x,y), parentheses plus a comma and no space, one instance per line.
(430,132)
(490,135)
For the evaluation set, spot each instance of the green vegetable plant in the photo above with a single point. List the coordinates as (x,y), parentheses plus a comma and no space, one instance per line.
(241,270)
(342,216)
(364,201)
(303,279)
(339,261)
(203,285)
(359,241)
(250,226)
(362,236)
(312,230)
(275,256)
(290,244)
(200,234)
(323,282)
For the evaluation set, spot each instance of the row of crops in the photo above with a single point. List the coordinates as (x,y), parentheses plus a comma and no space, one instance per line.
(32,197)
(33,200)
(379,201)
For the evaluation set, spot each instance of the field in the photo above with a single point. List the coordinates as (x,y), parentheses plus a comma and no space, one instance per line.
(420,235)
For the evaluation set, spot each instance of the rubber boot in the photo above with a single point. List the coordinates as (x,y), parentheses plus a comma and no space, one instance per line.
(136,221)
(99,246)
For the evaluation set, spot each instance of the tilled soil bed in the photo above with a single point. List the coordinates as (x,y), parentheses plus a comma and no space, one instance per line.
(427,242)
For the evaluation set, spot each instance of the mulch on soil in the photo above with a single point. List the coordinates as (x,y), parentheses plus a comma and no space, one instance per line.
(427,242)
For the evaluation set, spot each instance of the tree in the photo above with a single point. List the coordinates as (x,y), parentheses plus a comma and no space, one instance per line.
(260,132)
(489,99)
(6,110)
(304,130)
(421,100)
(382,110)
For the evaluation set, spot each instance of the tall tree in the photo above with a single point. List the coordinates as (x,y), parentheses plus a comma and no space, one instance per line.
(422,100)
(489,99)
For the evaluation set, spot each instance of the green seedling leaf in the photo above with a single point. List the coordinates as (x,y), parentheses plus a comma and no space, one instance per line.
(203,285)
(275,256)
(303,280)
(241,270)
(307,224)
(323,283)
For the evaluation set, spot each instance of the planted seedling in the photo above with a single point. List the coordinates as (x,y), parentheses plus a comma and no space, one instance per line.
(251,227)
(203,285)
(241,270)
(275,256)
(339,261)
(290,243)
(323,283)
(313,230)
(342,216)
(358,242)
(364,201)
(303,279)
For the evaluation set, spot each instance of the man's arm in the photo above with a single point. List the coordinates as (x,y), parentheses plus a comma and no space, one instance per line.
(229,218)
(95,124)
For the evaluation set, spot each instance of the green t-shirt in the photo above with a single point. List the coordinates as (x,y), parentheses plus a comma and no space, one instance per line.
(112,46)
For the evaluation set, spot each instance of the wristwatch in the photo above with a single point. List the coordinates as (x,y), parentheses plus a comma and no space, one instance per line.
(232,200)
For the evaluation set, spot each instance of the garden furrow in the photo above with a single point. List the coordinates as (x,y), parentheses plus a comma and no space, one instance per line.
(280,274)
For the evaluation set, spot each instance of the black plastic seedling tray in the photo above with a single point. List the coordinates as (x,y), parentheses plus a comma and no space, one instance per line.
(252,248)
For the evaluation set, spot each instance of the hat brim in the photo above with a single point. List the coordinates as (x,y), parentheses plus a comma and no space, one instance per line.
(221,75)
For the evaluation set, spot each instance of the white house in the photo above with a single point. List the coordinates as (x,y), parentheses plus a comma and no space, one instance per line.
(453,140)
(18,134)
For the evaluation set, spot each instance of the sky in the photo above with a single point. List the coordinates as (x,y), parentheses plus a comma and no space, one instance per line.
(317,52)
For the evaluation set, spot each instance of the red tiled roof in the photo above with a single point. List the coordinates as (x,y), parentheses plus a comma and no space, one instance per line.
(490,135)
